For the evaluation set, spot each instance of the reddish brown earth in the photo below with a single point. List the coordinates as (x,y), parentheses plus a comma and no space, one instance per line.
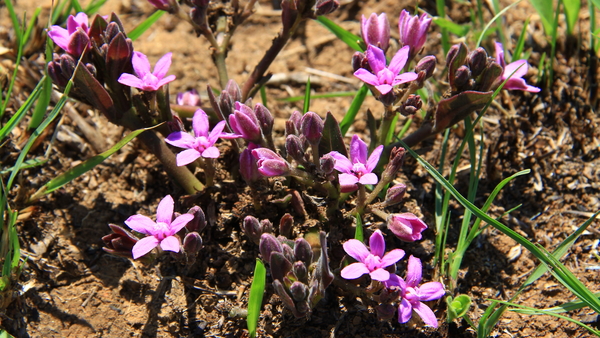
(72,288)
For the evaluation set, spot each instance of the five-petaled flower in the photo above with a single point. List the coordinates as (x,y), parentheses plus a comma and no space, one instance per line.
(75,38)
(162,232)
(202,144)
(414,295)
(145,79)
(385,78)
(514,72)
(358,169)
(373,262)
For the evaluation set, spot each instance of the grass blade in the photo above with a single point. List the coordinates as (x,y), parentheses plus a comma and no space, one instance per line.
(357,102)
(494,20)
(358,234)
(353,41)
(20,114)
(143,27)
(257,291)
(520,43)
(306,97)
(545,10)
(454,28)
(572,13)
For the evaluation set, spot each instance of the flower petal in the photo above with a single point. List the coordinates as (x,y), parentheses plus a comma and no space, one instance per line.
(374,158)
(377,243)
(342,163)
(354,271)
(130,80)
(405,77)
(414,271)
(431,291)
(180,222)
(187,156)
(392,257)
(426,314)
(180,139)
(356,249)
(384,88)
(143,246)
(500,54)
(369,178)
(211,152)
(367,77)
(516,69)
(216,132)
(162,66)
(380,275)
(140,64)
(358,150)
(348,182)
(170,243)
(399,60)
(376,58)
(141,224)
(404,311)
(164,211)
(200,123)
(165,80)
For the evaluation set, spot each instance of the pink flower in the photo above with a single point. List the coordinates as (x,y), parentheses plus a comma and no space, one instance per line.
(376,30)
(514,72)
(413,295)
(162,232)
(385,78)
(358,169)
(74,40)
(146,80)
(270,163)
(406,226)
(373,262)
(189,98)
(413,31)
(202,144)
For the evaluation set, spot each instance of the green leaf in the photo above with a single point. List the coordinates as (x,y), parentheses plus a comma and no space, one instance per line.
(306,97)
(263,96)
(77,6)
(545,10)
(454,28)
(256,295)
(94,6)
(348,38)
(354,108)
(358,234)
(520,43)
(84,167)
(496,17)
(332,137)
(458,306)
(18,116)
(143,27)
(572,13)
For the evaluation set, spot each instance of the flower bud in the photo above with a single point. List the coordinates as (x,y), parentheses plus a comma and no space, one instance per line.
(285,225)
(327,163)
(462,76)
(244,122)
(233,90)
(427,65)
(301,272)
(490,76)
(164,5)
(189,98)
(395,194)
(252,228)
(280,265)
(294,148)
(477,61)
(192,243)
(324,7)
(360,60)
(268,245)
(288,252)
(120,242)
(67,65)
(394,164)
(198,223)
(376,31)
(111,31)
(266,226)
(413,31)
(385,312)
(411,105)
(406,226)
(292,125)
(270,163)
(299,291)
(265,119)
(303,251)
(311,126)
(248,166)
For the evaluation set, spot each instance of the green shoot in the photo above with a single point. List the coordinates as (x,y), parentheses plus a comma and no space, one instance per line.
(256,295)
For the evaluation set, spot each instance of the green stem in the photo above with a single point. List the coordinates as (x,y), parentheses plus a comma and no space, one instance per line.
(386,124)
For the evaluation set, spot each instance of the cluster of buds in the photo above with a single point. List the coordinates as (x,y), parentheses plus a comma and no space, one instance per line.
(300,269)
(161,235)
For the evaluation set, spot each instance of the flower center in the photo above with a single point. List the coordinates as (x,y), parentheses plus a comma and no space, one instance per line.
(162,230)
(372,262)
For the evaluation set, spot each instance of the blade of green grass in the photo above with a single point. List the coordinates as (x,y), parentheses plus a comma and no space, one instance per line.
(84,167)
(256,296)
(77,6)
(520,43)
(20,114)
(94,6)
(318,96)
(357,102)
(348,38)
(571,13)
(143,27)
(306,105)
(545,9)
(358,234)
(452,27)
(441,9)
(494,20)
(263,96)
(15,21)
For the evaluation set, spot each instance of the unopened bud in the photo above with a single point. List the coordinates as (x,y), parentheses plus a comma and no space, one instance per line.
(375,30)
(327,163)
(385,312)
(248,167)
(233,90)
(293,147)
(266,226)
(198,223)
(406,226)
(489,77)
(67,65)
(301,272)
(111,31)
(359,60)
(120,242)
(270,163)
(292,125)
(268,245)
(299,291)
(280,265)
(427,65)
(288,252)
(411,105)
(477,61)
(395,194)
(311,126)
(324,7)
(265,119)
(192,243)
(462,76)
(252,228)
(394,164)
(303,251)
(285,225)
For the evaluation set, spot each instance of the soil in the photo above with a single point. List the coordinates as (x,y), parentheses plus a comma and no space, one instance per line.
(71,288)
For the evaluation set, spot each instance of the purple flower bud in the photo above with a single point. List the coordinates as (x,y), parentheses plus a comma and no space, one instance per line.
(56,74)
(324,7)
(189,98)
(299,291)
(192,243)
(300,270)
(266,226)
(406,226)
(285,225)
(411,105)
(233,90)
(292,126)
(360,60)
(394,164)
(67,65)
(111,31)
(427,65)
(491,76)
(311,126)
(270,163)
(294,148)
(244,122)
(477,61)
(265,119)
(376,31)
(280,265)
(413,31)
(395,194)
(120,242)
(288,252)
(163,5)
(198,223)
(462,77)
(303,251)
(252,228)
(327,163)
(268,245)
(248,166)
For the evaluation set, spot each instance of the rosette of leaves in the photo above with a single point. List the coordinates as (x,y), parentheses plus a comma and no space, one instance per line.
(300,269)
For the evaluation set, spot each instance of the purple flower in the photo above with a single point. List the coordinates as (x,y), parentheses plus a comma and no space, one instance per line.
(385,78)
(373,262)
(164,5)
(244,121)
(406,226)
(413,31)
(146,80)
(189,98)
(202,144)
(160,232)
(75,38)
(376,30)
(413,296)
(514,72)
(270,163)
(357,170)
